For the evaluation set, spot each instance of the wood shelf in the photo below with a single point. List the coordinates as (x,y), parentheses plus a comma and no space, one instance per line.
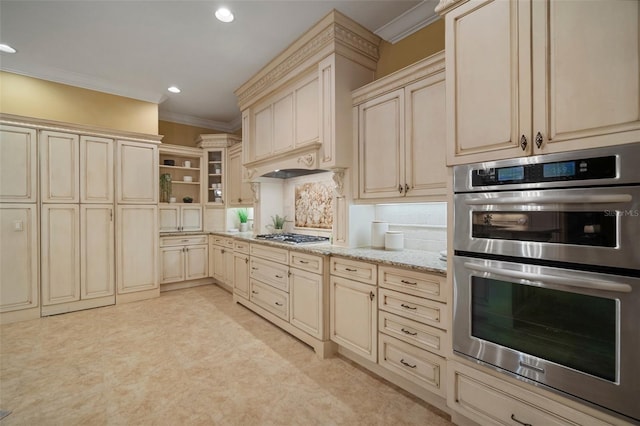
(196,169)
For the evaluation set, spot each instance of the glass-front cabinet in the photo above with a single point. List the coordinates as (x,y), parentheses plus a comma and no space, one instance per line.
(215,176)
(214,154)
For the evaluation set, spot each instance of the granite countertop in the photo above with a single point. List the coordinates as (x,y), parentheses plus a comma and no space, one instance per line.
(418,260)
(183,234)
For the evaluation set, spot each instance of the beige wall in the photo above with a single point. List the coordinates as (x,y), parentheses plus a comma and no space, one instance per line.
(181,134)
(419,45)
(32,97)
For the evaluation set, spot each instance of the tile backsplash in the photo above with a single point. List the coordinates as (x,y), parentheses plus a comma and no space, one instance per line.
(424,224)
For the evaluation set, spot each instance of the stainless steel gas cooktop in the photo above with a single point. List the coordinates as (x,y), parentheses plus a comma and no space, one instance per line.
(290,238)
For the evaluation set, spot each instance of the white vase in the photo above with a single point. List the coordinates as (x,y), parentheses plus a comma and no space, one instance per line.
(244,227)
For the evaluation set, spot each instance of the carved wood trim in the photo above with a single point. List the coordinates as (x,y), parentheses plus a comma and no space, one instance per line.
(445,5)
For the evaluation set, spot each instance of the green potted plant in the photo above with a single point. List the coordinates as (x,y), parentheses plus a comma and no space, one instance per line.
(243,215)
(165,187)
(187,200)
(278,223)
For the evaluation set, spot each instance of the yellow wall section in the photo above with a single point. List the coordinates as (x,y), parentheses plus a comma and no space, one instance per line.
(419,45)
(32,97)
(181,134)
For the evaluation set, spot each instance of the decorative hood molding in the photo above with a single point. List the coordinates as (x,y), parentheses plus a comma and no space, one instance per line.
(297,162)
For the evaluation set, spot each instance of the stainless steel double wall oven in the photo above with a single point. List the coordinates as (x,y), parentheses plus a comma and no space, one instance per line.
(547,272)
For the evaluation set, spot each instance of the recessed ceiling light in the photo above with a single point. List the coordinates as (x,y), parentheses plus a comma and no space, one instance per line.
(223,14)
(7,49)
(173,89)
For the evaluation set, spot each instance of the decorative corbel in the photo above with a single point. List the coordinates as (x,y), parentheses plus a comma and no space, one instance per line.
(338,180)
(307,160)
(255,188)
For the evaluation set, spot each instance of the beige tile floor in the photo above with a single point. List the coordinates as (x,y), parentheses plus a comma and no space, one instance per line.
(189,357)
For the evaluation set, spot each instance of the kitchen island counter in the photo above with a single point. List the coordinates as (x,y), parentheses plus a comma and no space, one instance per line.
(417,260)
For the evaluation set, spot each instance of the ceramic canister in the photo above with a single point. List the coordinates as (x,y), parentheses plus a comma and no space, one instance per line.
(394,240)
(378,228)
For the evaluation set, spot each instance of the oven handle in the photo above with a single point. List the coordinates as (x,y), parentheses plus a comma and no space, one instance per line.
(569,280)
(553,199)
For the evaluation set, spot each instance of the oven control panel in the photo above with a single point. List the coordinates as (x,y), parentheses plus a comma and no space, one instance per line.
(575,169)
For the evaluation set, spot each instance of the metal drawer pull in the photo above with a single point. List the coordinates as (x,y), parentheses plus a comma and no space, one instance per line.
(408,282)
(279,276)
(303,261)
(552,199)
(407,364)
(513,417)
(351,270)
(254,292)
(407,306)
(408,332)
(279,304)
(254,268)
(185,241)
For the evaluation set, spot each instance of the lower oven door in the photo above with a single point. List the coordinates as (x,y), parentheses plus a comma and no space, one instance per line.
(572,331)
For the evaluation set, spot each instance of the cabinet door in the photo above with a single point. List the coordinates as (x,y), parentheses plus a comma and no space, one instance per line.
(241,275)
(219,269)
(425,138)
(18,164)
(307,111)
(96,170)
(488,80)
(305,299)
(381,146)
(283,124)
(137,173)
(586,94)
(97,268)
(263,133)
(169,218)
(172,264)
(137,248)
(59,167)
(353,321)
(191,218)
(60,253)
(196,262)
(239,192)
(18,256)
(228,267)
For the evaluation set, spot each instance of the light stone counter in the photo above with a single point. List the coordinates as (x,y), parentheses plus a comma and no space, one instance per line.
(417,260)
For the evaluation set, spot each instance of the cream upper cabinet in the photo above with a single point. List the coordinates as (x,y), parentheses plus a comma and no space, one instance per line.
(59,167)
(96,170)
(137,248)
(180,218)
(18,164)
(538,77)
(296,111)
(400,122)
(136,173)
(239,191)
(18,256)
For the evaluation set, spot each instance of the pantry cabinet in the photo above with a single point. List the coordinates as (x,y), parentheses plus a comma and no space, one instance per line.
(96,170)
(59,167)
(520,83)
(19,157)
(137,248)
(400,122)
(19,256)
(136,173)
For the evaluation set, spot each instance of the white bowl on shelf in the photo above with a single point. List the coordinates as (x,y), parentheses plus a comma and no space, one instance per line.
(187,179)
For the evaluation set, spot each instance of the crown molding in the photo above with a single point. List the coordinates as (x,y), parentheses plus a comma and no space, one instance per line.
(189,120)
(85,82)
(412,20)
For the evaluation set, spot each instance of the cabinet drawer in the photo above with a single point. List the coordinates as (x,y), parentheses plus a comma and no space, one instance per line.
(415,308)
(423,336)
(274,274)
(360,271)
(274,301)
(270,253)
(222,241)
(421,367)
(241,247)
(183,241)
(307,262)
(489,400)
(411,282)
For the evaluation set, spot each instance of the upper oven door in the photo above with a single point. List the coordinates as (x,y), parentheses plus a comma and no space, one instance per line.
(593,226)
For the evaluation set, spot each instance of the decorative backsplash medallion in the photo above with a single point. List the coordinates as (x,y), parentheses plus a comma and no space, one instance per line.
(314,205)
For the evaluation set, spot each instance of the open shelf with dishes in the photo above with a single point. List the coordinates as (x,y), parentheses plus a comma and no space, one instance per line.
(215,176)
(180,174)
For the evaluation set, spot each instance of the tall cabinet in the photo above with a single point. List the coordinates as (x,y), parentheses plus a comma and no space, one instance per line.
(19,251)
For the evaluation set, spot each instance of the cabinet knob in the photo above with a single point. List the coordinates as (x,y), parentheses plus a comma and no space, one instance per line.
(539,140)
(406,189)
(400,188)
(246,260)
(371,295)
(523,142)
(239,200)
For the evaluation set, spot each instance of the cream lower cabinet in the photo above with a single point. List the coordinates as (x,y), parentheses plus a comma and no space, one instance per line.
(77,257)
(241,268)
(353,310)
(221,260)
(183,258)
(180,218)
(517,83)
(401,130)
(19,257)
(137,248)
(308,293)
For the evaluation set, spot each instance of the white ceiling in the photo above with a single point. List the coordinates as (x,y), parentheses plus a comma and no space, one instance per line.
(139,48)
